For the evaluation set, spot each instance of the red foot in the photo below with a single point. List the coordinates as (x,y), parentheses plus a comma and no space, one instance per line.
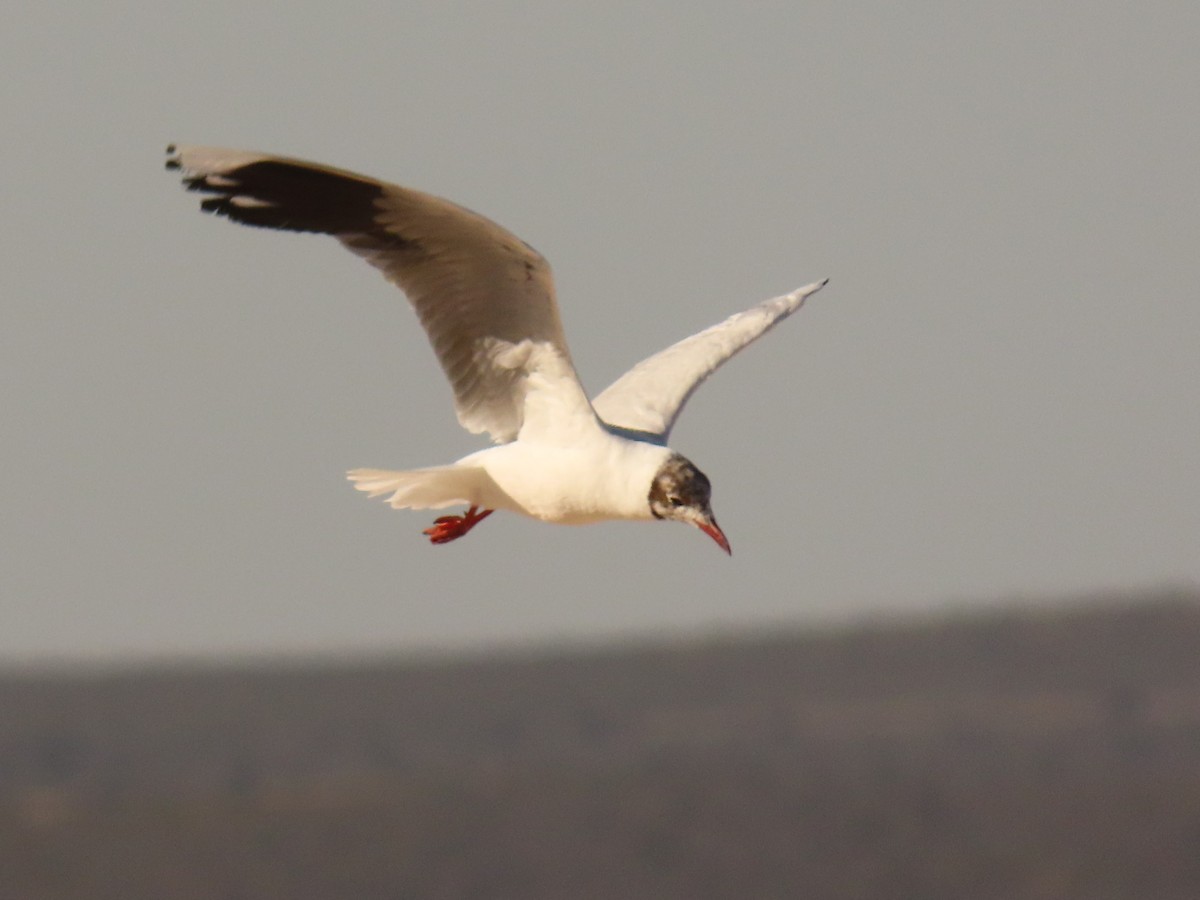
(449,528)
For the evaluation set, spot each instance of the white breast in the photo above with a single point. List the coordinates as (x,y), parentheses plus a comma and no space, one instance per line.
(606,477)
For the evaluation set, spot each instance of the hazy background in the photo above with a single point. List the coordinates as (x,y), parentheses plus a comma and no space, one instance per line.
(995,397)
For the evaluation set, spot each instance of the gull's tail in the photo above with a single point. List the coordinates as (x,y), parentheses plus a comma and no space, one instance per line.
(433,488)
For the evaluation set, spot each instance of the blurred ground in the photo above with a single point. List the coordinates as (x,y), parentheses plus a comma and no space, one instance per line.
(1015,754)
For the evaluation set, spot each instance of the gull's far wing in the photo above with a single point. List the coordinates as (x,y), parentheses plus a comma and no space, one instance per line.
(649,397)
(485,298)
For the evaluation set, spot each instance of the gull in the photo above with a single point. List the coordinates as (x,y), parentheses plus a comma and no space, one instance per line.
(486,300)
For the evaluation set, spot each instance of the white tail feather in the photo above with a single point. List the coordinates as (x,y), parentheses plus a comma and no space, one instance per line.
(433,488)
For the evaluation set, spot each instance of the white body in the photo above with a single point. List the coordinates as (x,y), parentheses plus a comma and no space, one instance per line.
(605,478)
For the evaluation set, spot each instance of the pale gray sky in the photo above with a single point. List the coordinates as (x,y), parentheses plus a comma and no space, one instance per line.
(995,397)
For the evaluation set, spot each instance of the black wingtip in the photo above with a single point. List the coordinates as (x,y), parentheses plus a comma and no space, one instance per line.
(172,162)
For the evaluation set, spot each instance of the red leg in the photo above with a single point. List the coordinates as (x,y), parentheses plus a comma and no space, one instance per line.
(448,528)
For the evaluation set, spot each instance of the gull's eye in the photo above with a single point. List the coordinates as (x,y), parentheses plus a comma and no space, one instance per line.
(675,501)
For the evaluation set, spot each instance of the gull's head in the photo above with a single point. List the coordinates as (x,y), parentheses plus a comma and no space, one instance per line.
(682,493)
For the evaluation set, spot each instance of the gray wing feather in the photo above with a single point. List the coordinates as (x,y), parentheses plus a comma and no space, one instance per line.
(649,397)
(478,290)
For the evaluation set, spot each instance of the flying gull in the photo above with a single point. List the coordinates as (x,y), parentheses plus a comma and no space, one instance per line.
(486,300)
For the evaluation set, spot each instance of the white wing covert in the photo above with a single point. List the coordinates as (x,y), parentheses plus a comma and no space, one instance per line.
(649,397)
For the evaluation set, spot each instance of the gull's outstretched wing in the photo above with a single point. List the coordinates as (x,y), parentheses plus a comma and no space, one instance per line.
(485,298)
(648,398)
